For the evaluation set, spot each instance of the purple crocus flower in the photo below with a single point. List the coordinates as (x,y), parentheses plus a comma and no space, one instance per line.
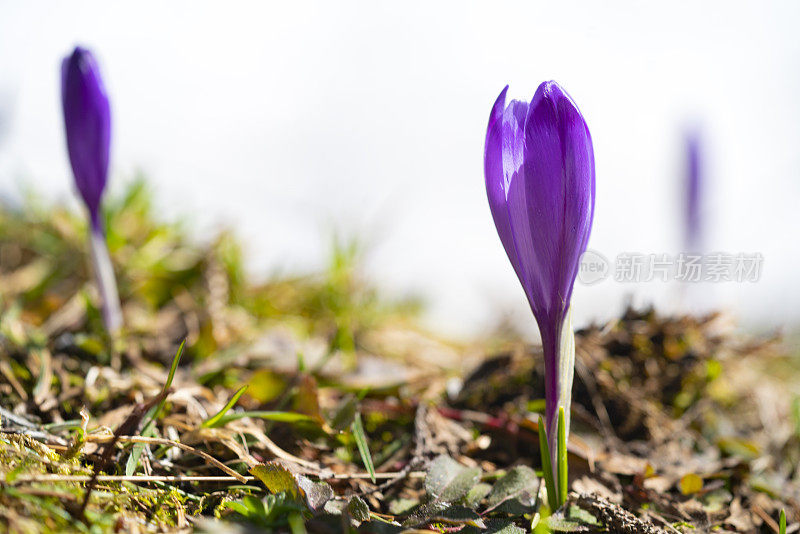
(540,179)
(694,192)
(87,121)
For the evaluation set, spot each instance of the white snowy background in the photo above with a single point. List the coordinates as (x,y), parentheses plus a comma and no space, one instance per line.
(285,120)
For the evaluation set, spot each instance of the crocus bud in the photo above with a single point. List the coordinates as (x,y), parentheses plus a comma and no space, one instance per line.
(694,193)
(540,179)
(87,121)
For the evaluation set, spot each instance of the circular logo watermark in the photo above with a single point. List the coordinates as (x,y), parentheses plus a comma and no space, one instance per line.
(594,268)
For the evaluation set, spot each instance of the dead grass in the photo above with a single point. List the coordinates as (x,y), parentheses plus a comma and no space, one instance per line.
(679,423)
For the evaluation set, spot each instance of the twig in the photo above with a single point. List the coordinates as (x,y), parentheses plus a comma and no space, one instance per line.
(16,419)
(766,517)
(37,479)
(171,443)
(663,521)
(282,454)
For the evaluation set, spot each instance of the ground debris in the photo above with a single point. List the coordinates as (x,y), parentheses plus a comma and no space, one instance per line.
(349,414)
(613,516)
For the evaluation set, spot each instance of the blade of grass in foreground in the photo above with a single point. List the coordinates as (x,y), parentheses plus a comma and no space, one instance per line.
(278,417)
(547,467)
(296,523)
(213,421)
(562,457)
(150,416)
(363,448)
(153,412)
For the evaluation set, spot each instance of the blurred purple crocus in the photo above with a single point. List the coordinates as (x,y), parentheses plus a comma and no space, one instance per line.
(694,192)
(87,121)
(540,180)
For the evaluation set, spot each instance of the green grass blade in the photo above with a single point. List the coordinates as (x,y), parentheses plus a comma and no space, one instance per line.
(278,417)
(213,421)
(133,459)
(547,467)
(363,448)
(172,368)
(152,413)
(562,457)
(296,523)
(782,525)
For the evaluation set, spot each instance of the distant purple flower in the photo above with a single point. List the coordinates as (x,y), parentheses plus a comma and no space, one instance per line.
(694,192)
(87,120)
(540,179)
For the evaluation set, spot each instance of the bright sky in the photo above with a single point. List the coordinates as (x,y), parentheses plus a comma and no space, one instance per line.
(284,120)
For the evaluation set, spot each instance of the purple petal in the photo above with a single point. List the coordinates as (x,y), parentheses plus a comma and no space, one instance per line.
(559,167)
(559,171)
(87,121)
(495,160)
(580,187)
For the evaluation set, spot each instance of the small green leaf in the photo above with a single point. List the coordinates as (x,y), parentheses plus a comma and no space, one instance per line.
(782,523)
(579,514)
(517,491)
(363,447)
(447,480)
(423,513)
(213,421)
(444,512)
(276,477)
(504,527)
(460,515)
(358,510)
(237,507)
(495,526)
(254,506)
(476,494)
(561,524)
(316,494)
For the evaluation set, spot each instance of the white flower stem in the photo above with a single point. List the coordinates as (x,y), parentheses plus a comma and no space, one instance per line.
(566,367)
(106,282)
(566,373)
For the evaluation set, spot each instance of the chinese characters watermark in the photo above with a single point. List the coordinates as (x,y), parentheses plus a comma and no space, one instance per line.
(632,267)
